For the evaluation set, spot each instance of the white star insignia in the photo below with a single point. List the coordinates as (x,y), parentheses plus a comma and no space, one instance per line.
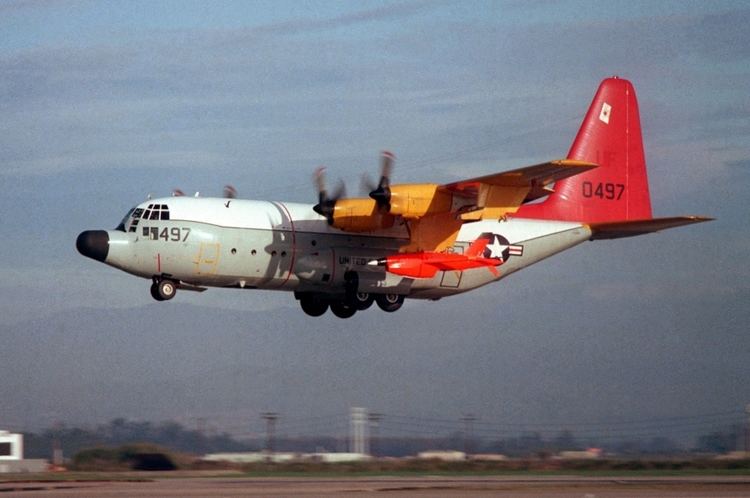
(496,248)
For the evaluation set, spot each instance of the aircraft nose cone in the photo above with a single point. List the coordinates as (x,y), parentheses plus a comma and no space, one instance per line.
(93,244)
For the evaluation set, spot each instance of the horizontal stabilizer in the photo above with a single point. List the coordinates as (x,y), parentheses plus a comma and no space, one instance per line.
(620,229)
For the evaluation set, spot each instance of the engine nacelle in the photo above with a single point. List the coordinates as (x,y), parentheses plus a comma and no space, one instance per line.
(360,215)
(419,199)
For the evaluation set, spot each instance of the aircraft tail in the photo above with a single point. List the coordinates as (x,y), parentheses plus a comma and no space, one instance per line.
(617,190)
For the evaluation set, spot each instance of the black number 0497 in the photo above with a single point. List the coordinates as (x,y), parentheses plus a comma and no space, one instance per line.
(606,191)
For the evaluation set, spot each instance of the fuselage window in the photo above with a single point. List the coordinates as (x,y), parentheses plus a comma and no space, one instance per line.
(154,215)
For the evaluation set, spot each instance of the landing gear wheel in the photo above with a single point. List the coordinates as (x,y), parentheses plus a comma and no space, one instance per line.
(361,300)
(312,306)
(165,289)
(342,309)
(390,302)
(155,292)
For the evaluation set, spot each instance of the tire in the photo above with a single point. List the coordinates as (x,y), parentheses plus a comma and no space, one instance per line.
(342,309)
(155,292)
(166,289)
(361,300)
(312,306)
(389,302)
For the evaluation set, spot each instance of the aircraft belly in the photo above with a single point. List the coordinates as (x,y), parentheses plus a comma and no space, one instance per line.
(325,262)
(540,246)
(208,255)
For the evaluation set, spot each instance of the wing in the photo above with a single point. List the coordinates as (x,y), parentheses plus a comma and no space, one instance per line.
(444,208)
(434,213)
(493,196)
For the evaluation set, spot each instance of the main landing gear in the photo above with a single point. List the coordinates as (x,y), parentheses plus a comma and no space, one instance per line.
(163,289)
(317,304)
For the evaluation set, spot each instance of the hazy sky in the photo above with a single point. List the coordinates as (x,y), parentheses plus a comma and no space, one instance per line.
(103,103)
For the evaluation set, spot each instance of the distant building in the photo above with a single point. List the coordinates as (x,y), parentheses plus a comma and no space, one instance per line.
(445,456)
(11,455)
(589,454)
(281,457)
(251,457)
(489,457)
(11,446)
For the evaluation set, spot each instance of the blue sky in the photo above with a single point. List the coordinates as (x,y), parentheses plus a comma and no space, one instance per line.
(103,103)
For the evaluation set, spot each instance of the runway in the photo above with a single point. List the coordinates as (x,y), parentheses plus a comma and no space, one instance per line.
(502,486)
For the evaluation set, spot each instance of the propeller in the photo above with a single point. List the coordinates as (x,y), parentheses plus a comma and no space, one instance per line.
(230,192)
(381,194)
(326,204)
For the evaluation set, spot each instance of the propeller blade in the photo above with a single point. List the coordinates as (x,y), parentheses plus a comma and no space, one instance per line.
(386,168)
(366,184)
(230,192)
(320,183)
(382,194)
(326,205)
(340,191)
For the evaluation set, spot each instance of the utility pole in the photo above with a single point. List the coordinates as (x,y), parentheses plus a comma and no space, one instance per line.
(270,418)
(374,420)
(358,423)
(468,420)
(57,451)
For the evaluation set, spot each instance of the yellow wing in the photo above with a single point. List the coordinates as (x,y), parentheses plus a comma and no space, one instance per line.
(494,196)
(434,213)
(446,207)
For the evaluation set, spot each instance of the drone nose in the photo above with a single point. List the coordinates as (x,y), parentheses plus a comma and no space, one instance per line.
(93,244)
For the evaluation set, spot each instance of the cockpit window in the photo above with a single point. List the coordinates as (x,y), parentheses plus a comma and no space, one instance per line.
(121,226)
(154,212)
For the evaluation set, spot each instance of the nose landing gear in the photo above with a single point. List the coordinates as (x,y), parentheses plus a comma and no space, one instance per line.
(163,289)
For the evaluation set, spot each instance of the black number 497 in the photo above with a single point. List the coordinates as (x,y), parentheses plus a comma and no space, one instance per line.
(174,234)
(606,191)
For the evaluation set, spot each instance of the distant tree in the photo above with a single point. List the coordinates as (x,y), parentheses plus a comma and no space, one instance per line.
(720,441)
(565,441)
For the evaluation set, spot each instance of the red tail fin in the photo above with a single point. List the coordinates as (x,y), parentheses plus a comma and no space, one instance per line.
(610,136)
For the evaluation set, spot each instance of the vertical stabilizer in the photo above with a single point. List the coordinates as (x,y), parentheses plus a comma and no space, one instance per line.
(610,136)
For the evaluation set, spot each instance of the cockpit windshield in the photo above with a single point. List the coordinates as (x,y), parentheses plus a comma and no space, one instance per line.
(121,226)
(153,212)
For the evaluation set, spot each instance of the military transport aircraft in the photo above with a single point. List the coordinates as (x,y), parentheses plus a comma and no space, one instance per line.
(422,241)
